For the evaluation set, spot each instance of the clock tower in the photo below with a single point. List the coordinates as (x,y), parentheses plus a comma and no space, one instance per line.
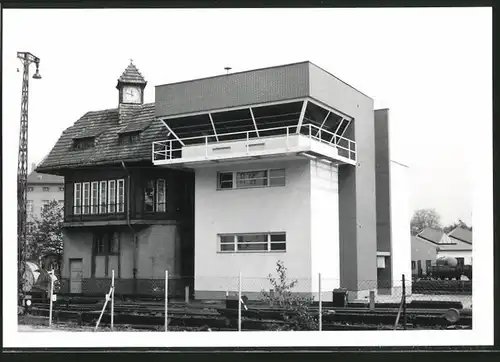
(131,86)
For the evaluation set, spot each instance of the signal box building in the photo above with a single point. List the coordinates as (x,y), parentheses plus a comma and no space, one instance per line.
(228,175)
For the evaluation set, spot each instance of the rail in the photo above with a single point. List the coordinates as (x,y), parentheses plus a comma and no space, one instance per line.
(164,150)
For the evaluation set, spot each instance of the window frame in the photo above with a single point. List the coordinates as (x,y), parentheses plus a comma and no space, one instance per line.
(111,197)
(85,198)
(120,204)
(103,197)
(94,202)
(235,242)
(157,201)
(268,178)
(77,190)
(46,188)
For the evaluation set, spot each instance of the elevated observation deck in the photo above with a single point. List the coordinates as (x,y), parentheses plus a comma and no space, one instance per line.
(291,129)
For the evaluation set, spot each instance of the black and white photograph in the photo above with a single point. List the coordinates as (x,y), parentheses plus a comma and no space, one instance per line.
(321,176)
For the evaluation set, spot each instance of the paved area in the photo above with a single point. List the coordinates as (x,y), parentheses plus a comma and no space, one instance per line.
(28,328)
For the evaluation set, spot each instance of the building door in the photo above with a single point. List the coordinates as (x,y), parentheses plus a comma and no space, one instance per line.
(76,275)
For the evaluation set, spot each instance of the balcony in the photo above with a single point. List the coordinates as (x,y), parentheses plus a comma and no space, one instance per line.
(306,140)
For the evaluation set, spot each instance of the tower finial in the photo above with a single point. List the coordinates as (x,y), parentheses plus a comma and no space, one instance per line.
(131,60)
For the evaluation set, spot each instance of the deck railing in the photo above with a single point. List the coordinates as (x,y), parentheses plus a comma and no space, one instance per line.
(172,149)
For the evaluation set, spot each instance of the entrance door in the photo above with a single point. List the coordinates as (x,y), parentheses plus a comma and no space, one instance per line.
(76,275)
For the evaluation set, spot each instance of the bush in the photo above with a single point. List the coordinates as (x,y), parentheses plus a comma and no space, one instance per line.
(295,309)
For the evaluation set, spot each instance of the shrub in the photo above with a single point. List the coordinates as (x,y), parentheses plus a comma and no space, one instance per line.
(294,308)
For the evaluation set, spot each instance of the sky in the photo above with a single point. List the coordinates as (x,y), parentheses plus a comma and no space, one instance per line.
(431,67)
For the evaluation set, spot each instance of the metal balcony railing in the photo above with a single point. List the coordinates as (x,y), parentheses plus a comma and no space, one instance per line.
(172,149)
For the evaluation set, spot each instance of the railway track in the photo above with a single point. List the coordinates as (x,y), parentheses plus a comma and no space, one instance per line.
(217,318)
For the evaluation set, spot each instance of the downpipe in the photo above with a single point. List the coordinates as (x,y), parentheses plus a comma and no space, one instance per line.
(134,237)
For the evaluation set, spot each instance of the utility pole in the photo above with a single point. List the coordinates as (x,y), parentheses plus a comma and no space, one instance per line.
(22,167)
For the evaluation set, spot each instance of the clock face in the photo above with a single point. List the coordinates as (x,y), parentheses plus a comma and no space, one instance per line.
(131,95)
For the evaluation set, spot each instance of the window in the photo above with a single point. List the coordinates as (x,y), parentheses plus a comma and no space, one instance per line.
(252,242)
(460,262)
(155,196)
(121,196)
(251,179)
(46,189)
(129,138)
(413,266)
(427,266)
(94,201)
(103,198)
(60,203)
(45,203)
(83,143)
(106,243)
(77,203)
(61,188)
(30,189)
(160,195)
(99,197)
(86,198)
(29,206)
(112,196)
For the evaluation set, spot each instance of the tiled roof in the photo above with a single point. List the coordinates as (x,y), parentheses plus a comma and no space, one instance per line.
(431,234)
(38,178)
(107,149)
(461,234)
(132,75)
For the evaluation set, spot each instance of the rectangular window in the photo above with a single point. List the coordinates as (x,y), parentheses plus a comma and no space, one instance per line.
(46,189)
(149,193)
(460,262)
(30,189)
(45,203)
(77,203)
(94,201)
(254,242)
(61,188)
(106,243)
(251,179)
(121,196)
(86,198)
(225,180)
(161,202)
(427,266)
(102,197)
(413,266)
(29,206)
(111,196)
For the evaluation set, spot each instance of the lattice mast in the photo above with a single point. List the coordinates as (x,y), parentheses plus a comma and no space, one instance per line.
(22,167)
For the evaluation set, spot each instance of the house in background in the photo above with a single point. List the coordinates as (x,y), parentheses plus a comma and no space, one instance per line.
(432,244)
(459,247)
(42,188)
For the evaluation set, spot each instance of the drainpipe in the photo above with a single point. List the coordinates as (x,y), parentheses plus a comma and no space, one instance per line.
(134,237)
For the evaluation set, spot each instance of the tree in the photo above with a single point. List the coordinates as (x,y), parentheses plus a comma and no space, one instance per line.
(45,236)
(295,308)
(425,218)
(456,224)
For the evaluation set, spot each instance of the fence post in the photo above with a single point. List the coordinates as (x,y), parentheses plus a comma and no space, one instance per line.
(186,294)
(320,300)
(239,302)
(51,292)
(404,302)
(166,300)
(372,300)
(112,298)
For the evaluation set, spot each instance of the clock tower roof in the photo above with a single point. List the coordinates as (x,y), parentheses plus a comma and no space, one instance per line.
(131,75)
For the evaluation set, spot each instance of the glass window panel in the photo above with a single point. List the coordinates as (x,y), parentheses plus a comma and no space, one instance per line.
(121,196)
(103,199)
(252,238)
(227,247)
(226,180)
(252,246)
(227,239)
(278,237)
(251,179)
(112,196)
(160,195)
(149,196)
(278,246)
